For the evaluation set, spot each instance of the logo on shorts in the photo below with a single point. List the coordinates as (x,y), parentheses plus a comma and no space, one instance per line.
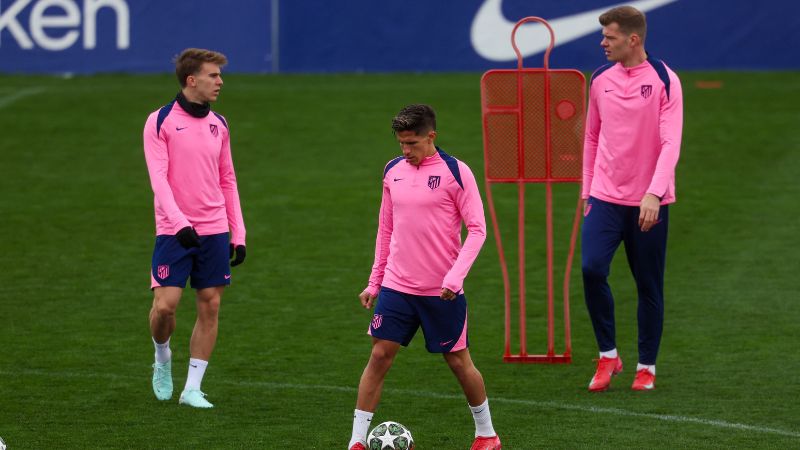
(433,181)
(647,89)
(213,129)
(377,320)
(163,271)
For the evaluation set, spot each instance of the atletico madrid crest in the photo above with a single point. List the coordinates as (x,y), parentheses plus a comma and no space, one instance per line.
(213,129)
(377,320)
(433,181)
(647,89)
(163,272)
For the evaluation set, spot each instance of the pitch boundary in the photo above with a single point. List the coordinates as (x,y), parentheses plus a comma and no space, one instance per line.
(426,394)
(6,100)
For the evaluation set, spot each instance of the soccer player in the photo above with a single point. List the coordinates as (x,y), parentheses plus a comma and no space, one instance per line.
(633,137)
(420,266)
(188,152)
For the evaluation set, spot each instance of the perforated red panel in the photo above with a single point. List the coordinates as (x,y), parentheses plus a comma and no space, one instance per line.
(501,145)
(566,124)
(506,144)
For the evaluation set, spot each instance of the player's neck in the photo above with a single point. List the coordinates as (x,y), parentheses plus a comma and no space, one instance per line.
(194,108)
(636,58)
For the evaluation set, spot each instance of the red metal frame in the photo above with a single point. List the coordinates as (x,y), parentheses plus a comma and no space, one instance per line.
(520,180)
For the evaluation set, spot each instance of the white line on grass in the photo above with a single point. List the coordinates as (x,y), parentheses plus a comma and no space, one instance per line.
(6,100)
(426,394)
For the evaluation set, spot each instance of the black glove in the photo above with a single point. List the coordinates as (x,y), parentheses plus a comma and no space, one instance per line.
(188,238)
(240,254)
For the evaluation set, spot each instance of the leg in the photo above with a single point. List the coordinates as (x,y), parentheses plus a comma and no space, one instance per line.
(468,376)
(600,237)
(162,324)
(204,336)
(371,384)
(646,252)
(471,381)
(162,314)
(201,345)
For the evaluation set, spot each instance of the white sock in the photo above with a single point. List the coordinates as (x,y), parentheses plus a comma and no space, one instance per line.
(483,420)
(609,354)
(197,368)
(163,353)
(361,421)
(651,369)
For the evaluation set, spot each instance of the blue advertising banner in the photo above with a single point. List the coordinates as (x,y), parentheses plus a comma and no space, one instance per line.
(89,36)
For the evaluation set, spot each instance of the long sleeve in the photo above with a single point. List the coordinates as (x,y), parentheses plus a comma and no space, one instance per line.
(590,142)
(670,127)
(382,241)
(157,158)
(227,182)
(470,207)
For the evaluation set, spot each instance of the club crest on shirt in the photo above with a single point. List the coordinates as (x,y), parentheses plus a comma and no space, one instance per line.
(213,129)
(163,272)
(647,89)
(433,181)
(377,320)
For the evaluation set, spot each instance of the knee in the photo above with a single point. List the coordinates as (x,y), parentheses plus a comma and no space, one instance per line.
(458,365)
(209,308)
(594,270)
(164,308)
(381,356)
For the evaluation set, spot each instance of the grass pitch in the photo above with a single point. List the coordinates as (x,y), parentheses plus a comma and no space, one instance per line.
(77,227)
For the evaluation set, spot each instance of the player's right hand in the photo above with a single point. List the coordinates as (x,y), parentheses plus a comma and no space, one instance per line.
(188,237)
(367,300)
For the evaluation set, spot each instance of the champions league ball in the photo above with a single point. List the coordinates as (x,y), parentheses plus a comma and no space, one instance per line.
(390,436)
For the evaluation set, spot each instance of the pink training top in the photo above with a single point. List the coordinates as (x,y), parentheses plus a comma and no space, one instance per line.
(191,172)
(418,249)
(633,133)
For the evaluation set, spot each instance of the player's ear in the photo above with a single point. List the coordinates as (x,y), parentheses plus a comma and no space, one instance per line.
(432,135)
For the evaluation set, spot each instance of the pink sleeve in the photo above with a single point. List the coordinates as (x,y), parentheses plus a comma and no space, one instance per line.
(157,157)
(227,181)
(470,207)
(670,126)
(384,238)
(590,144)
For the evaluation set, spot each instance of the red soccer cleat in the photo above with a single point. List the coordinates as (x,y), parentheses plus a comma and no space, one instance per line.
(644,381)
(606,367)
(358,446)
(486,443)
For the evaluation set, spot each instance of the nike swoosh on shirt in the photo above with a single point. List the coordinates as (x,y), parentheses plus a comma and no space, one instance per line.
(491,31)
(180,128)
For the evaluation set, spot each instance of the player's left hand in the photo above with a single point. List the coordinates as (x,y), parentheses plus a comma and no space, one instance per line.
(240,252)
(367,299)
(648,212)
(447,294)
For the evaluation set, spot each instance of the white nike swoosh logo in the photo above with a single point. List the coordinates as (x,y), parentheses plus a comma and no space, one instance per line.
(491,31)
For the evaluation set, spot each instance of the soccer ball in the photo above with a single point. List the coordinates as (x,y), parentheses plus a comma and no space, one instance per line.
(390,436)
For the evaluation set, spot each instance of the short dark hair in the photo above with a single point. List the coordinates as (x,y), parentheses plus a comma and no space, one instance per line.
(191,60)
(629,19)
(419,118)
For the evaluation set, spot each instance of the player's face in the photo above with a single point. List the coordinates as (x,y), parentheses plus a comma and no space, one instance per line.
(615,43)
(206,83)
(416,147)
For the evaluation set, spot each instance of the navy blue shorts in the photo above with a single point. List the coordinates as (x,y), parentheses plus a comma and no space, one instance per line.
(209,265)
(398,315)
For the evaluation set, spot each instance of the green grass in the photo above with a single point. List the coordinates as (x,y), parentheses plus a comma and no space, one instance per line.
(77,227)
